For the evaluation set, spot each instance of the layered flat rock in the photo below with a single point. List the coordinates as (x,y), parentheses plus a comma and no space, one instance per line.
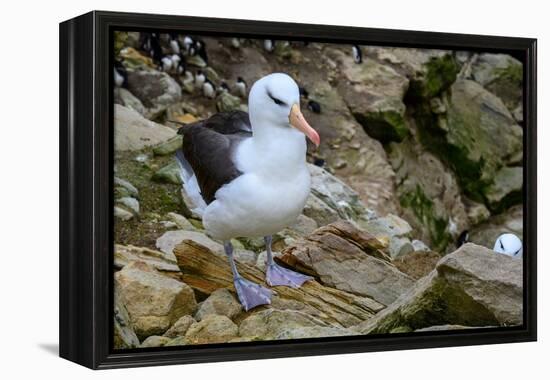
(206,272)
(472,286)
(343,257)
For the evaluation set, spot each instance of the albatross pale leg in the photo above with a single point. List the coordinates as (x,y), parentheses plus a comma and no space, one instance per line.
(250,294)
(277,275)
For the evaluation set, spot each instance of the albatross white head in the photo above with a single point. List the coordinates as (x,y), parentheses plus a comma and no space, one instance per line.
(274,109)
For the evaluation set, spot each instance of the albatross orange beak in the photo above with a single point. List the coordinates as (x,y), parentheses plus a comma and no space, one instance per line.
(297,120)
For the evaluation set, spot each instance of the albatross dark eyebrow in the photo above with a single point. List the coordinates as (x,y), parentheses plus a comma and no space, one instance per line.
(277,101)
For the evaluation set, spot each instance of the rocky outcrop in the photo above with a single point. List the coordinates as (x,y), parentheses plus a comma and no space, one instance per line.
(503,76)
(473,286)
(346,258)
(206,272)
(154,302)
(134,132)
(477,136)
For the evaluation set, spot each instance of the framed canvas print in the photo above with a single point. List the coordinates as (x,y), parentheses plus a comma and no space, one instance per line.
(238,189)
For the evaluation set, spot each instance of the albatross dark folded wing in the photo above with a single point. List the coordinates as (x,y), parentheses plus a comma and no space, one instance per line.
(208,147)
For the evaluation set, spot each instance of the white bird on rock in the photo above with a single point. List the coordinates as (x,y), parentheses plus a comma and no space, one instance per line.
(509,244)
(247,175)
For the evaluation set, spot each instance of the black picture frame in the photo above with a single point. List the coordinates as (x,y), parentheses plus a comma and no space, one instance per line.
(86,177)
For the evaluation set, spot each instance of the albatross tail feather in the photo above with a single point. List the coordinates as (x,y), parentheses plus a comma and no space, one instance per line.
(190,184)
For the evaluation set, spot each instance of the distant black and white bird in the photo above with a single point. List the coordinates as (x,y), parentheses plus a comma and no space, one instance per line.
(223,87)
(186,74)
(269,45)
(120,75)
(462,238)
(186,43)
(509,244)
(303,92)
(199,79)
(357,54)
(176,61)
(209,89)
(166,63)
(182,65)
(313,106)
(155,50)
(241,87)
(199,48)
(174,44)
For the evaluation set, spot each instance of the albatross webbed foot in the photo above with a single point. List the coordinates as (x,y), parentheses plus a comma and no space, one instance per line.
(277,275)
(251,294)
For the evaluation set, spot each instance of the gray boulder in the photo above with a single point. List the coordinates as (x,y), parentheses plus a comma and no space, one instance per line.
(472,286)
(154,301)
(127,99)
(155,89)
(503,76)
(134,132)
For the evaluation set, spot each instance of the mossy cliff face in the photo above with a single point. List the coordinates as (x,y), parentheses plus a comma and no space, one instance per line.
(428,193)
(476,136)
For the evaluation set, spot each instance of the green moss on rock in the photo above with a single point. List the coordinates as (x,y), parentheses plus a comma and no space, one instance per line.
(385,126)
(423,209)
(440,73)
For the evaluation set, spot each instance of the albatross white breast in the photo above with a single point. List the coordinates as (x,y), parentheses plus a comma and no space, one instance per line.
(247,174)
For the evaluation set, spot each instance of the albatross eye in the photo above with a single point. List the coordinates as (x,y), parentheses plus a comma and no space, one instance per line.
(275,100)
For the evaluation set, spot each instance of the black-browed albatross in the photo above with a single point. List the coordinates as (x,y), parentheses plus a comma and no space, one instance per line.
(247,176)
